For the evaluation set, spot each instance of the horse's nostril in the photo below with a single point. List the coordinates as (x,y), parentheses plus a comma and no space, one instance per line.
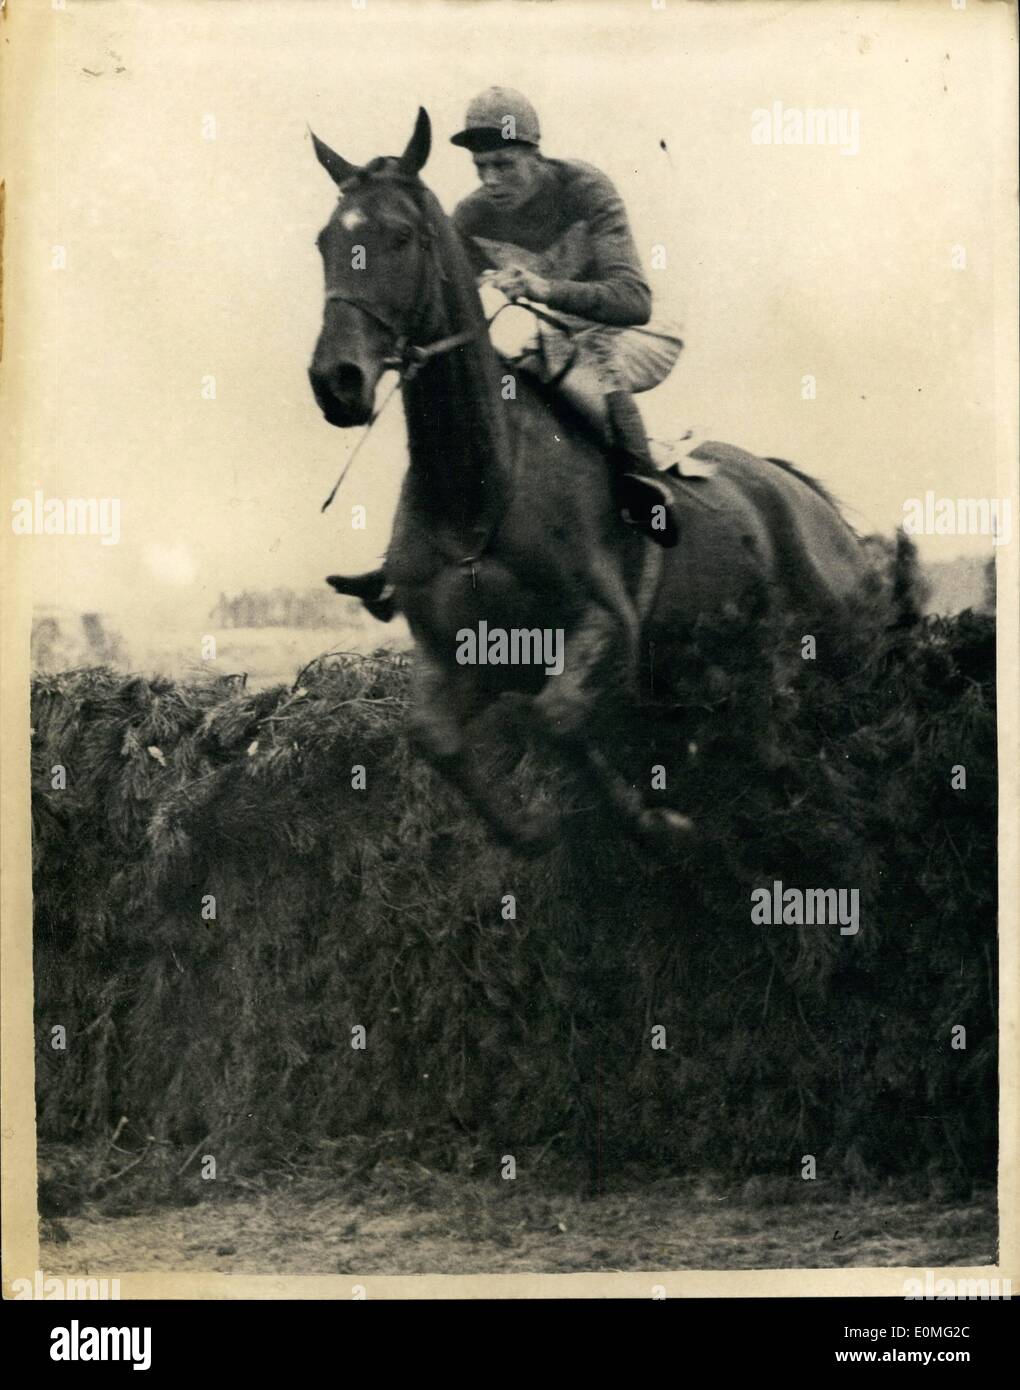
(348,383)
(342,391)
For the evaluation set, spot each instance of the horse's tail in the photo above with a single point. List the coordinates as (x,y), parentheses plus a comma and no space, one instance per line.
(910,589)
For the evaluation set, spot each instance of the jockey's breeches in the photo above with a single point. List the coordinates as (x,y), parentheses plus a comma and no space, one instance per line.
(624,359)
(627,359)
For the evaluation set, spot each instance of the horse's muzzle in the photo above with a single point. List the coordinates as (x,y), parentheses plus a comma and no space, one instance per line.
(344,394)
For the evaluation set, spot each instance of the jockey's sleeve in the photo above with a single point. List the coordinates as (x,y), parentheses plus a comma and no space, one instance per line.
(614,290)
(611,287)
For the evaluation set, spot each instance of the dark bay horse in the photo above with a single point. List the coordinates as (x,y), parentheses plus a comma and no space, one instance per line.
(506,515)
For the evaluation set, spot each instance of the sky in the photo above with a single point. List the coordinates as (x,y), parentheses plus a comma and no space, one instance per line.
(168,154)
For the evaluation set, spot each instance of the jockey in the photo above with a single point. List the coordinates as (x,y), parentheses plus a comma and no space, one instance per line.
(555,233)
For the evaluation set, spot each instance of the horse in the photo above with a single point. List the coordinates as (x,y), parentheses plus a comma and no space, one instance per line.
(507,522)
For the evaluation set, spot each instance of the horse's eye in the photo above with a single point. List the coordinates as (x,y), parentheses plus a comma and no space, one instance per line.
(401,239)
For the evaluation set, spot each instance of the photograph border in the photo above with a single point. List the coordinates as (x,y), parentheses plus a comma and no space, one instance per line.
(21,60)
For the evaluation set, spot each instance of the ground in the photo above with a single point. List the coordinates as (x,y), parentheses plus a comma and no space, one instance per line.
(463,1229)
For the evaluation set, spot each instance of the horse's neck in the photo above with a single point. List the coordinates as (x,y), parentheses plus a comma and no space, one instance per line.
(458,443)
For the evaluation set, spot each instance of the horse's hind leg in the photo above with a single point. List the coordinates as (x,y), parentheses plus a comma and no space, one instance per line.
(446,704)
(659,827)
(564,711)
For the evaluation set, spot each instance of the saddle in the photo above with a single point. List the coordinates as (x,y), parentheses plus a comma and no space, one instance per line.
(532,340)
(580,386)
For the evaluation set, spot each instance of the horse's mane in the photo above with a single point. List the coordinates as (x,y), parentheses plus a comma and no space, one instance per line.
(464,308)
(806,478)
(457,256)
(460,288)
(469,372)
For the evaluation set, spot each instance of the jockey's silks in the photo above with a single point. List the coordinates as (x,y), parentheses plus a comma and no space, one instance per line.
(575,225)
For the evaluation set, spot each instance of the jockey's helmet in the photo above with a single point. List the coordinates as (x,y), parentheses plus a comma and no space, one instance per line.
(498,116)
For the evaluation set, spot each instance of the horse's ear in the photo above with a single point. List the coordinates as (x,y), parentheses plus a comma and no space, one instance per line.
(418,147)
(334,164)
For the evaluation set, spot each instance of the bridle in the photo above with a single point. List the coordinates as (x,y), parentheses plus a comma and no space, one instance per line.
(408,356)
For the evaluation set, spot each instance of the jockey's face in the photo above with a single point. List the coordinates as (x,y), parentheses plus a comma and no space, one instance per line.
(508,175)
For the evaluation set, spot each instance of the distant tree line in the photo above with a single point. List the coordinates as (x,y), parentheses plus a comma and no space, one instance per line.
(278,607)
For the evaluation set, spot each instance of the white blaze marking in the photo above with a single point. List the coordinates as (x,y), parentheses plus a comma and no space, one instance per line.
(352,219)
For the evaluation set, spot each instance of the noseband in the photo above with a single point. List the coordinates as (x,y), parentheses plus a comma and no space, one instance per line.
(409,356)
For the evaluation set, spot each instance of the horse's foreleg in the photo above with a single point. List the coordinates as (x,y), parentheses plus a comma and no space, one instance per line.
(625,624)
(446,704)
(564,710)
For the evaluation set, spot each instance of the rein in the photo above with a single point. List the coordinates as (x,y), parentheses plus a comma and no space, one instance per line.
(408,357)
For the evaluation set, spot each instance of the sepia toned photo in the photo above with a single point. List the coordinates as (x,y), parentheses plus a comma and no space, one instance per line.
(510,669)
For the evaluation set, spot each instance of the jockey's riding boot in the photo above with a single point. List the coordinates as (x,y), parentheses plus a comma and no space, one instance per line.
(373,588)
(645,499)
